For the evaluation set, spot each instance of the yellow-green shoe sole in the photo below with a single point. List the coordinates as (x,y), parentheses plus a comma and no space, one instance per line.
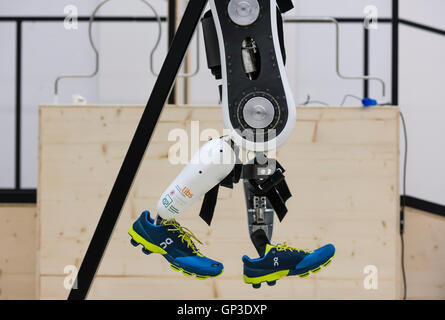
(191,274)
(149,247)
(270,278)
(273,277)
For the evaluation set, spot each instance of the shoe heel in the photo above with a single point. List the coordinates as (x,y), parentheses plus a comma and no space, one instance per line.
(134,243)
(147,247)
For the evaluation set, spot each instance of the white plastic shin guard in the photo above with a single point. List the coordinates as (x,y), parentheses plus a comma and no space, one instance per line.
(208,167)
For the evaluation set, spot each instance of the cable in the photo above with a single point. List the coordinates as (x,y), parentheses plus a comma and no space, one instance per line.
(402,207)
(309,101)
(352,96)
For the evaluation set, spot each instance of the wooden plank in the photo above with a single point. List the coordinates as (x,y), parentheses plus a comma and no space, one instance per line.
(134,288)
(17,251)
(424,255)
(153,288)
(342,167)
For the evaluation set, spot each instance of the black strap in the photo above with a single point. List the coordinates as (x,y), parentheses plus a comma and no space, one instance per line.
(209,204)
(276,190)
(232,177)
(285,5)
(210,198)
(277,202)
(272,181)
(284,191)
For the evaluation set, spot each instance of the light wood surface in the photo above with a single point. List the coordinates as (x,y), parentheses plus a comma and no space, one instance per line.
(17,251)
(342,168)
(425,255)
(425,258)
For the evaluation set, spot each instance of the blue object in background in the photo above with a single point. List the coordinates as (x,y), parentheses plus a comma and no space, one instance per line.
(368,102)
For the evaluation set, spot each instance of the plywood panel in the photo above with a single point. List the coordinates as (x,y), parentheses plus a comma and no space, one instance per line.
(342,167)
(425,255)
(17,251)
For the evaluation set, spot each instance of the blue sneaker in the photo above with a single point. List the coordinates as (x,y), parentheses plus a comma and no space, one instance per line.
(175,243)
(281,261)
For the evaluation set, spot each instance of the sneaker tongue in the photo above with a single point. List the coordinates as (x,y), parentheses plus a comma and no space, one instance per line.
(268,247)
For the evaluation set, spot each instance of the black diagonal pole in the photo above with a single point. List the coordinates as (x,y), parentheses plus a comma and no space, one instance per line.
(137,148)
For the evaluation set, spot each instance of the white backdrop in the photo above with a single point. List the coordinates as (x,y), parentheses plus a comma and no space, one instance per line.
(49,50)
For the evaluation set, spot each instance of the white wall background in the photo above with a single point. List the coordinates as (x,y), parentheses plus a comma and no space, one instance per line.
(124,77)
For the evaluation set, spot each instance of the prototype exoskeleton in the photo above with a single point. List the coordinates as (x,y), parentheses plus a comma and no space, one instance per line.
(245,52)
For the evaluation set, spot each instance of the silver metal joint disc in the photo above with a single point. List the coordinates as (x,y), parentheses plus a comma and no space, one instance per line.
(258,112)
(244,12)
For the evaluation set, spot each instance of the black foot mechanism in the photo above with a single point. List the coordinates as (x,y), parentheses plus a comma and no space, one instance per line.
(266,192)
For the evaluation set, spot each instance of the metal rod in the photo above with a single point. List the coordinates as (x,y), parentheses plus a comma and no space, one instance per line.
(337,48)
(18,105)
(137,148)
(18,196)
(179,75)
(344,20)
(82,19)
(172,7)
(422,27)
(395,54)
(365,61)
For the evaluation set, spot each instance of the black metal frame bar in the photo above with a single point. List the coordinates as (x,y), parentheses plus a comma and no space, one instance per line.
(18,105)
(365,61)
(395,53)
(172,7)
(423,205)
(79,18)
(422,27)
(18,196)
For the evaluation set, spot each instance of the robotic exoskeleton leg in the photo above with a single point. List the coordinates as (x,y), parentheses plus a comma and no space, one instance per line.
(245,49)
(245,52)
(258,106)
